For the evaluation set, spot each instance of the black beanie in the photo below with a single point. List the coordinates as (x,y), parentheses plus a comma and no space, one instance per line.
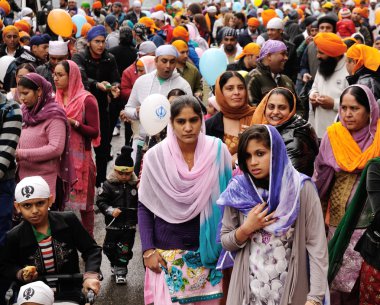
(125,159)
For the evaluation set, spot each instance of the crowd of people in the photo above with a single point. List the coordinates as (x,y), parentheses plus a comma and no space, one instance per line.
(262,187)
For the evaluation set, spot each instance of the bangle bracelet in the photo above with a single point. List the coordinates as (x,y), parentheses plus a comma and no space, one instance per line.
(149,255)
(76,124)
(314,302)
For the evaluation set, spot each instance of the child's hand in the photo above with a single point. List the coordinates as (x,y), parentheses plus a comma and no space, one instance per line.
(28,274)
(116,212)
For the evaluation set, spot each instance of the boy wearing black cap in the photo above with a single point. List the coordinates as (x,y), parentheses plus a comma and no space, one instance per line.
(117,200)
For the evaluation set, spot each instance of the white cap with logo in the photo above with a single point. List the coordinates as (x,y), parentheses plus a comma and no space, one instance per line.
(32,188)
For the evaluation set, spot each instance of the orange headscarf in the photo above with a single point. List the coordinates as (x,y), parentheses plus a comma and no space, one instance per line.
(365,56)
(180,31)
(330,44)
(268,15)
(5,6)
(253,22)
(259,115)
(244,113)
(90,20)
(22,25)
(149,23)
(85,28)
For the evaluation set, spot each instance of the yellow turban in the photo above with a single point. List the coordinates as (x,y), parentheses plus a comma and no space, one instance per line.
(180,45)
(10,28)
(365,56)
(330,44)
(250,49)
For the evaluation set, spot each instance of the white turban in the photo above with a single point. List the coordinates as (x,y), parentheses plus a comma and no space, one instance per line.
(136,3)
(160,15)
(36,292)
(211,9)
(275,23)
(58,48)
(32,188)
(166,50)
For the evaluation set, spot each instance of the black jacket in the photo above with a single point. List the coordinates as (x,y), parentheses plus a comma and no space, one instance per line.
(124,56)
(115,194)
(46,72)
(367,77)
(369,244)
(238,66)
(244,38)
(301,143)
(3,52)
(132,16)
(68,237)
(94,71)
(299,137)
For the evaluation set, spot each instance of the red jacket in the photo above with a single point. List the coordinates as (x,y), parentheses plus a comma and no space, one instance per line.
(345,28)
(128,79)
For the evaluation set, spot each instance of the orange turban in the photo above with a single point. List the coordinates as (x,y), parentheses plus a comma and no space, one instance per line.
(330,44)
(294,4)
(180,31)
(301,13)
(159,7)
(139,63)
(74,28)
(90,20)
(149,23)
(10,28)
(359,11)
(180,45)
(1,24)
(5,6)
(22,25)
(268,15)
(365,56)
(97,5)
(250,49)
(253,22)
(85,28)
(365,12)
(23,34)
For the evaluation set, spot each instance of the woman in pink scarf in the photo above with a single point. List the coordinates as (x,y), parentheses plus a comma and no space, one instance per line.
(43,146)
(182,178)
(83,115)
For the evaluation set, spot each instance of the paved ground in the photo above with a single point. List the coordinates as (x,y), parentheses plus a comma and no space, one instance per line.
(131,293)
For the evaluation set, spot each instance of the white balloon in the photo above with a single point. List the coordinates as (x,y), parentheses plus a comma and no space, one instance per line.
(154,113)
(5,61)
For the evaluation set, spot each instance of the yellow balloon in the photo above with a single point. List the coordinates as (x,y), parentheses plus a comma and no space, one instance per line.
(257,3)
(60,23)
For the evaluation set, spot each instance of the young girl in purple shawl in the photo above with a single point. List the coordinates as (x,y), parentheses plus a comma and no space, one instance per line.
(43,146)
(182,178)
(272,221)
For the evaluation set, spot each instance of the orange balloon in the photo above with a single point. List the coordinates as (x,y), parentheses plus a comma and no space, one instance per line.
(60,22)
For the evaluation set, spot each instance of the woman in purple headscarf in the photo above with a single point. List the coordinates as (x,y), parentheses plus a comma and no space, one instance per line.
(43,146)
(273,224)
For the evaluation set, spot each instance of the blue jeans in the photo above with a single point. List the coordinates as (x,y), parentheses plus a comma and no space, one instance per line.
(7,191)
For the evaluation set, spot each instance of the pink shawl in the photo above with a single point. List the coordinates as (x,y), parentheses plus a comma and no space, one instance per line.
(172,192)
(325,163)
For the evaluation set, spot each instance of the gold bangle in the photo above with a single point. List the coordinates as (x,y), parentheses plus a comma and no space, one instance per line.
(149,255)
(314,302)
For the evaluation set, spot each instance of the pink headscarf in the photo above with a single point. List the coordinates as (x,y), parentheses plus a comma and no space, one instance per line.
(325,163)
(169,189)
(76,96)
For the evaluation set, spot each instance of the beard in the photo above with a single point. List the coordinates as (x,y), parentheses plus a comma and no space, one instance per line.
(229,48)
(327,66)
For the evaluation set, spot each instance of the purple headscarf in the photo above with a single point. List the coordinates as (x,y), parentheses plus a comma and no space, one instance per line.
(283,195)
(48,108)
(325,163)
(270,47)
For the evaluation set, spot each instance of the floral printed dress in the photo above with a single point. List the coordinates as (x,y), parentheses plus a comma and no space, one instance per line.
(269,257)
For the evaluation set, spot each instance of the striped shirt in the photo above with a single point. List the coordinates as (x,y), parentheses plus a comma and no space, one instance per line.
(47,254)
(10,130)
